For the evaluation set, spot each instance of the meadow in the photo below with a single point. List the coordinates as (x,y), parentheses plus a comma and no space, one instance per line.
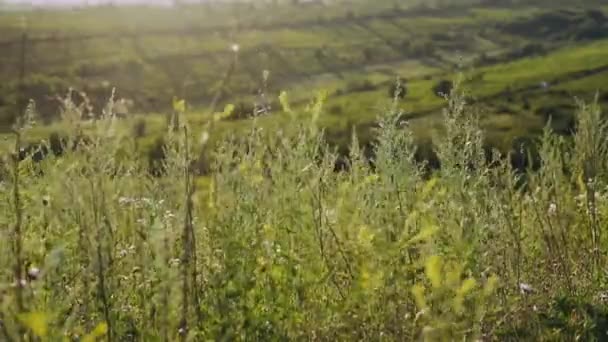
(279,245)
(353,53)
(372,172)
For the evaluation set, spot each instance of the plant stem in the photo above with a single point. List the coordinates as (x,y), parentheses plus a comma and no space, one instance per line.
(17,231)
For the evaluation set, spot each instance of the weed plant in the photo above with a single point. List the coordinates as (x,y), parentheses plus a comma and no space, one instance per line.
(279,246)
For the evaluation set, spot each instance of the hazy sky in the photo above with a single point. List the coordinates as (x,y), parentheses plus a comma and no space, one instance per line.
(82,2)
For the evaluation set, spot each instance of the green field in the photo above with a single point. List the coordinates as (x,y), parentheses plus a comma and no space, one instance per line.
(151,55)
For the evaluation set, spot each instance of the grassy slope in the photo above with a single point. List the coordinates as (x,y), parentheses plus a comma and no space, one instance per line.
(360,107)
(343,44)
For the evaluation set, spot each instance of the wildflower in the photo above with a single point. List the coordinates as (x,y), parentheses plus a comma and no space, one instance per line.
(21,283)
(331,216)
(419,314)
(168,215)
(125,201)
(552,209)
(235,48)
(33,273)
(526,289)
(204,138)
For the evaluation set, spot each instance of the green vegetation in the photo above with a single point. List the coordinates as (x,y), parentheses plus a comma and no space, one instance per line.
(278,244)
(355,55)
(294,194)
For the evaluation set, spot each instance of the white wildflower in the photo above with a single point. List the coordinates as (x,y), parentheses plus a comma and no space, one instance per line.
(125,201)
(526,288)
(33,273)
(20,283)
(168,215)
(552,209)
(204,137)
(331,215)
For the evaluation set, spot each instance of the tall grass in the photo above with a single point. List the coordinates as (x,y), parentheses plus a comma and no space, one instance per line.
(280,246)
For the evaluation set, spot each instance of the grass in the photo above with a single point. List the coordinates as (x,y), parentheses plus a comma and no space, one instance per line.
(325,53)
(276,244)
(342,42)
(360,107)
(529,71)
(262,231)
(591,84)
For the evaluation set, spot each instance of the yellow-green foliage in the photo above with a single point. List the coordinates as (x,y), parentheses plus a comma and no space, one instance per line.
(277,245)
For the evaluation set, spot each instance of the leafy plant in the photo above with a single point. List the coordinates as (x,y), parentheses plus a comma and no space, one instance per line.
(274,244)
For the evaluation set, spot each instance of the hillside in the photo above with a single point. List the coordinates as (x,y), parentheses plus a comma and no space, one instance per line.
(151,55)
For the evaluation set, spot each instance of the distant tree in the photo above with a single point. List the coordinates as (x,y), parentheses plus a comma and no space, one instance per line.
(443,88)
(526,104)
(596,15)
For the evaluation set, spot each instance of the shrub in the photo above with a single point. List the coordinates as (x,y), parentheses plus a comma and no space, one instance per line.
(526,104)
(443,88)
(276,245)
